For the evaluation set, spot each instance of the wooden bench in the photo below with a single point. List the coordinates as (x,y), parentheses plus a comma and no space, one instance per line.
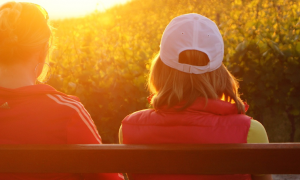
(174,159)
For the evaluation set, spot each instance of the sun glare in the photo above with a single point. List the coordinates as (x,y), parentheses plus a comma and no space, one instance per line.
(72,8)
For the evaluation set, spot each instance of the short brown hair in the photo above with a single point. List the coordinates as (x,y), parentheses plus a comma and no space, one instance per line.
(171,86)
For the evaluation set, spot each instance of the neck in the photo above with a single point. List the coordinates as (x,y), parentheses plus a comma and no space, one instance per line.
(16,76)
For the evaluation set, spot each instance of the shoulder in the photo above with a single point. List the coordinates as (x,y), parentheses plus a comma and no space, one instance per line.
(257,133)
(67,103)
(63,99)
(138,116)
(67,106)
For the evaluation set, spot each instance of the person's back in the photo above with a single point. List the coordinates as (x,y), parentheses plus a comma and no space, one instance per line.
(31,113)
(195,100)
(39,114)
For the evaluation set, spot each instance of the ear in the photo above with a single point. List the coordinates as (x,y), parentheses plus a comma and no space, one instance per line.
(43,53)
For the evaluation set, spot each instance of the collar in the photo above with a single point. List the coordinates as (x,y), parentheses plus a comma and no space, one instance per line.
(213,106)
(29,90)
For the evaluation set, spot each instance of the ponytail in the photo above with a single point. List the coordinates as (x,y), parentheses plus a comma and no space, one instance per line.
(9,15)
(23,30)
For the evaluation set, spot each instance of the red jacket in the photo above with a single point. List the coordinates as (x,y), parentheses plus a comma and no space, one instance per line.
(39,114)
(218,122)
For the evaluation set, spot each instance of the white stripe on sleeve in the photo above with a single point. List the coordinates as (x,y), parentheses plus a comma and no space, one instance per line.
(78,108)
(81,108)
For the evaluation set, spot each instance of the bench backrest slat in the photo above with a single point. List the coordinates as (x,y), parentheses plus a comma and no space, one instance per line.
(172,159)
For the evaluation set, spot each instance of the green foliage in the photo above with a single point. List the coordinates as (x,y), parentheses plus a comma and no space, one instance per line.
(267,61)
(104,58)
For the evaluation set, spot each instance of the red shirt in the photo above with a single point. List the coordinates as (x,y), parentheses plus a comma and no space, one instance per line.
(39,114)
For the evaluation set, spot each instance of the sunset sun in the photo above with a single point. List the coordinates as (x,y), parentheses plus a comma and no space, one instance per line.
(73,8)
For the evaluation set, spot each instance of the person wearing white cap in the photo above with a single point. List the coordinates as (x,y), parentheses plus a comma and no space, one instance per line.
(195,98)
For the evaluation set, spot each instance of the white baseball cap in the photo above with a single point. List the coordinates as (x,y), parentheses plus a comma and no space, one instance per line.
(192,32)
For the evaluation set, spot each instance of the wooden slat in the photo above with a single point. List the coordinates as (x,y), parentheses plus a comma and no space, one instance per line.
(172,159)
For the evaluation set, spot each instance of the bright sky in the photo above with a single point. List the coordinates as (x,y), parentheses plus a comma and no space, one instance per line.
(72,8)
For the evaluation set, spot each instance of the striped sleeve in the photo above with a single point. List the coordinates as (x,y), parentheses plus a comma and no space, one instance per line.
(81,129)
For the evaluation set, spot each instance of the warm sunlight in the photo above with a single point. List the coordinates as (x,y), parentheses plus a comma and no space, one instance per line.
(158,89)
(72,8)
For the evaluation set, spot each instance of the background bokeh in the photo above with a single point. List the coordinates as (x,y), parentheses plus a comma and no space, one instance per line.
(103,58)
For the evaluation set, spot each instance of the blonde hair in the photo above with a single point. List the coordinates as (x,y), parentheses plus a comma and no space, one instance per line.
(170,86)
(24,30)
